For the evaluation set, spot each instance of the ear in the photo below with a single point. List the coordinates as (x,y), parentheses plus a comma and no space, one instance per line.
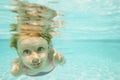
(50,52)
(18,52)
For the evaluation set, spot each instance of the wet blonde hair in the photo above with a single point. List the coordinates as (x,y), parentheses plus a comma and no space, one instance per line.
(33,20)
(15,37)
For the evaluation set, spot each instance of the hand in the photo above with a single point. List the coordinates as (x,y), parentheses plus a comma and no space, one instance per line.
(16,68)
(58,58)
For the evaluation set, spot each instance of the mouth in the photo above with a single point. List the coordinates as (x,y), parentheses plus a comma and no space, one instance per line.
(36,65)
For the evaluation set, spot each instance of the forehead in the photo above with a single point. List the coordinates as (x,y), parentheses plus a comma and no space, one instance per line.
(32,41)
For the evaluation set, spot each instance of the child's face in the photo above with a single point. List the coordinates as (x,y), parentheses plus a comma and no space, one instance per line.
(33,51)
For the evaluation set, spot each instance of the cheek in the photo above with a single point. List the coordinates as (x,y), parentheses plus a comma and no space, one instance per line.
(43,55)
(26,59)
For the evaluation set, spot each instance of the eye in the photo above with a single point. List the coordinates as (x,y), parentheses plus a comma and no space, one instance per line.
(26,52)
(40,49)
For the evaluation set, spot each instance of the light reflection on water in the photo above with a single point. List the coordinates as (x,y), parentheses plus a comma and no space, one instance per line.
(86,19)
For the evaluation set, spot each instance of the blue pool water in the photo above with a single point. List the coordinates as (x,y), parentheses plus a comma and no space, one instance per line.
(90,40)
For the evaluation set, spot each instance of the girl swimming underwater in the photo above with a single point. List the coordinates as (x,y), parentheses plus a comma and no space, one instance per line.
(32,41)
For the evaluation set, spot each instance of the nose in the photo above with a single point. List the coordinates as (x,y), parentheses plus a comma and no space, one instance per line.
(36,60)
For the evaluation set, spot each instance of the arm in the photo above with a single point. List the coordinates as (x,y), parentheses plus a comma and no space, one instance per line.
(16,69)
